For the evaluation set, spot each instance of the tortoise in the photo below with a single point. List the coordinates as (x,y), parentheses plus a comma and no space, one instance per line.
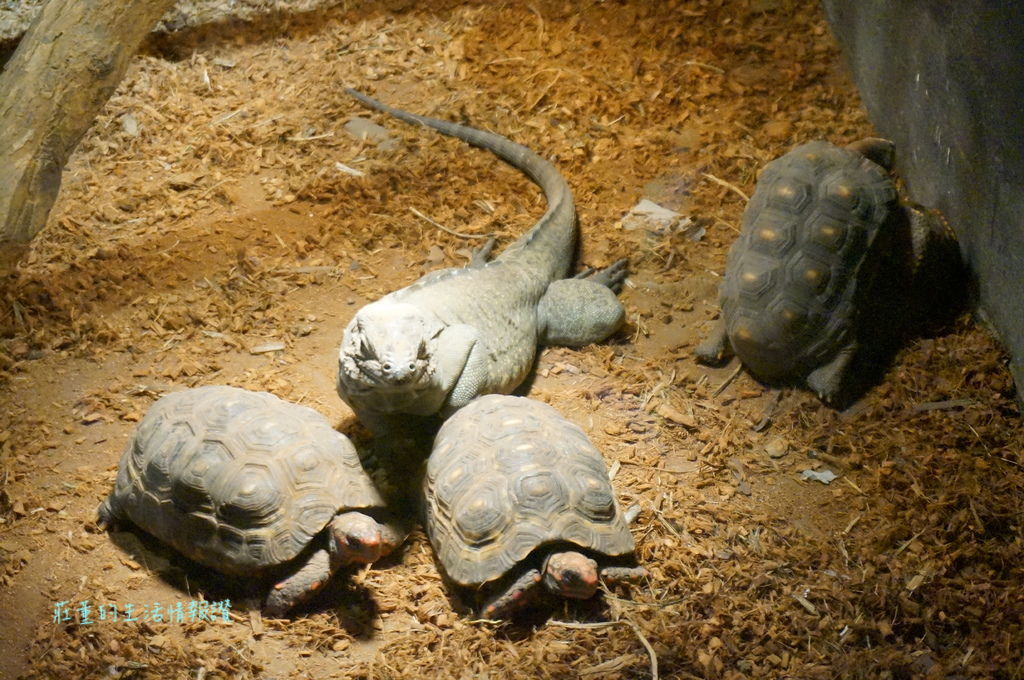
(518,500)
(251,486)
(814,236)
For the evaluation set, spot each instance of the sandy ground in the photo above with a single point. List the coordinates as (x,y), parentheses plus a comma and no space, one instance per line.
(211,212)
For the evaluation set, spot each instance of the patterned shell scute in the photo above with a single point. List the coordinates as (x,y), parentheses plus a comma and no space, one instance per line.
(238,480)
(508,475)
(791,276)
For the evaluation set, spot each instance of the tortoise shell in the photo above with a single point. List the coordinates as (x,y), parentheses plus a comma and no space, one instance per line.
(508,475)
(790,290)
(239,481)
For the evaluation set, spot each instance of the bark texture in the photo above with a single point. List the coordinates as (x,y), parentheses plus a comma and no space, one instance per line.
(66,67)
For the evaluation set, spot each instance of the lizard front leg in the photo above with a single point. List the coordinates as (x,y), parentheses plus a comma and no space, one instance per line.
(461,366)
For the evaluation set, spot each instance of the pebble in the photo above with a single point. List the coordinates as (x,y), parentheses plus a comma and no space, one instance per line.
(776,448)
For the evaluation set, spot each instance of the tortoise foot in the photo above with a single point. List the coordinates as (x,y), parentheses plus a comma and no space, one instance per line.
(513,598)
(300,586)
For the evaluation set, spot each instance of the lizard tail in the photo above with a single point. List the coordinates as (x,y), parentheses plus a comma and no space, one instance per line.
(555,232)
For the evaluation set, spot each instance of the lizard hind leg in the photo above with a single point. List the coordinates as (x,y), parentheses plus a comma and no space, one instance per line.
(580,311)
(480,255)
(612,276)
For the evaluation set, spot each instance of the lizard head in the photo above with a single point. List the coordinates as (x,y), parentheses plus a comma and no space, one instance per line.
(389,345)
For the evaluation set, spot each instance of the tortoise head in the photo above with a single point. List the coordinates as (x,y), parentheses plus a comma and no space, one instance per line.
(355,538)
(571,574)
(875,149)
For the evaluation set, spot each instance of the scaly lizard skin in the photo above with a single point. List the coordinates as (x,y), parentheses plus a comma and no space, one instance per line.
(431,347)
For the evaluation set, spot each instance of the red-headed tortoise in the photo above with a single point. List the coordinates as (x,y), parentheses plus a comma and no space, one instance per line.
(816,234)
(518,502)
(251,486)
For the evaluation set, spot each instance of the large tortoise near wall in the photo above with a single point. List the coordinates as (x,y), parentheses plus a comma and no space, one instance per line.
(251,486)
(519,504)
(799,278)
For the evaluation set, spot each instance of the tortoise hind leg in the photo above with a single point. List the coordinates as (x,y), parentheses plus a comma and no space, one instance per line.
(108,513)
(716,348)
(938,284)
(827,380)
(299,586)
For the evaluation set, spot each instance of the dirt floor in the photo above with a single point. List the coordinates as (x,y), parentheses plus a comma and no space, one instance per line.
(220,224)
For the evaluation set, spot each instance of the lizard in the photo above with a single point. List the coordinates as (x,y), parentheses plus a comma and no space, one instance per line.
(454,334)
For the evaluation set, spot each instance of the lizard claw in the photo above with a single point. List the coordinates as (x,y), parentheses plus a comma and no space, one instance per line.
(612,276)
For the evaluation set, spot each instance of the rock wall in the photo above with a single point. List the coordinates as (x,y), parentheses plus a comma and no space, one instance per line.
(944,79)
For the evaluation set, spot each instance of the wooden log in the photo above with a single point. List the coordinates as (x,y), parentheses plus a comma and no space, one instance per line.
(66,67)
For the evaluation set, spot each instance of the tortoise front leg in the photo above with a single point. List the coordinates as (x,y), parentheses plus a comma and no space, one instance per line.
(613,575)
(300,586)
(513,598)
(108,513)
(716,347)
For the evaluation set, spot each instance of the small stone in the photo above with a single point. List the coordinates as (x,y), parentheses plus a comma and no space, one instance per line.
(613,429)
(675,416)
(267,347)
(776,448)
(649,215)
(130,125)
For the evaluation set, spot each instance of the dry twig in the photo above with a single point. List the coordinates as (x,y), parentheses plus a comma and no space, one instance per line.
(727,185)
(445,229)
(607,624)
(728,381)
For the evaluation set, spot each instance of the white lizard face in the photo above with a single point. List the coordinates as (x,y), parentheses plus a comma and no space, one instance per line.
(388,346)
